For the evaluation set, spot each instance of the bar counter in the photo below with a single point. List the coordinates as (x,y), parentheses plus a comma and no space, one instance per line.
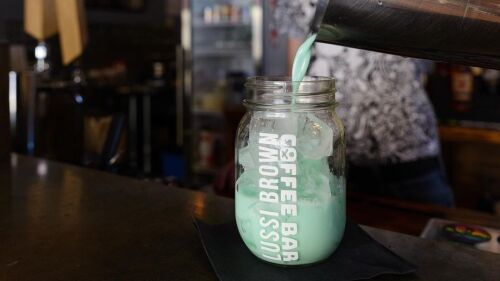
(61,222)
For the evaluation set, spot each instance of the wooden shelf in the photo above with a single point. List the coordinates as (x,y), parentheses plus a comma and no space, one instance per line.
(464,134)
(236,51)
(408,217)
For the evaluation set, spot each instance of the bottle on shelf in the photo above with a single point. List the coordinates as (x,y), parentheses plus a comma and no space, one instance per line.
(207,15)
(480,84)
(216,14)
(439,90)
(206,149)
(462,88)
(225,13)
(492,80)
(245,14)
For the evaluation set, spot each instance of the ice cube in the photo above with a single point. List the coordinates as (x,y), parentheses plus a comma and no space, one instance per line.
(247,157)
(313,179)
(315,138)
(279,123)
(338,185)
(247,183)
(315,186)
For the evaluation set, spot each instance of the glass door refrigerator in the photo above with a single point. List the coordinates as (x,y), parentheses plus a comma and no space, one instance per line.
(222,44)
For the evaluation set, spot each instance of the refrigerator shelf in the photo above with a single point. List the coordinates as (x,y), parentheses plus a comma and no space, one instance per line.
(226,52)
(222,25)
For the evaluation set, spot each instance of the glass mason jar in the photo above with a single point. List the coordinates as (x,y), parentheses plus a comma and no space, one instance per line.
(290,170)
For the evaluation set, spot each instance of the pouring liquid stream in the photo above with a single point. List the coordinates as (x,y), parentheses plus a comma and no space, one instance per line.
(301,64)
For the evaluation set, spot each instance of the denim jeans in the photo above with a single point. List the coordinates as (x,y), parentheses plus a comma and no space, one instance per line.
(429,186)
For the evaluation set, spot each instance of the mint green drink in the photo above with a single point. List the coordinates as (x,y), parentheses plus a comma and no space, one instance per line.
(302,59)
(290,188)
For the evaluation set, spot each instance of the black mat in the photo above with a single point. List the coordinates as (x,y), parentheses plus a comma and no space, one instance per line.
(358,257)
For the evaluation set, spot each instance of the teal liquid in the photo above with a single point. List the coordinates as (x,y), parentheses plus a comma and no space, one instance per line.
(302,60)
(320,195)
(320,228)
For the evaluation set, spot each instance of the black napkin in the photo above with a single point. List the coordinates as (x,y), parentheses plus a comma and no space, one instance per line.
(358,257)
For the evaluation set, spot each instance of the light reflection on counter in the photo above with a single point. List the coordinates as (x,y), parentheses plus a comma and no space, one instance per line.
(67,187)
(13,160)
(199,204)
(42,168)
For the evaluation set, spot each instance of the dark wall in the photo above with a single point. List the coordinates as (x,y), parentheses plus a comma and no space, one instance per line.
(136,38)
(156,12)
(139,37)
(11,9)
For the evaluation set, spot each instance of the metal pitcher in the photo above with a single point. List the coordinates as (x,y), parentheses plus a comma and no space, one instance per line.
(457,31)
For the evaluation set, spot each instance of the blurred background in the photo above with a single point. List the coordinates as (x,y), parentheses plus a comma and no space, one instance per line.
(152,89)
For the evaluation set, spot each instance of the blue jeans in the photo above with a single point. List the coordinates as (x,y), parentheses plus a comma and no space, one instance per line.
(424,185)
(431,188)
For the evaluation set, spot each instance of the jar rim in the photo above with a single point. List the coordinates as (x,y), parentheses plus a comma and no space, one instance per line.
(280,92)
(283,81)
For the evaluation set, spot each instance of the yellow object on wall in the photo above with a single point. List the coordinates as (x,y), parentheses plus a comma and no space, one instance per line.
(39,18)
(72,28)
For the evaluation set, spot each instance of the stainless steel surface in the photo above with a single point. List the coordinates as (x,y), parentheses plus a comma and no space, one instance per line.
(146,134)
(457,31)
(27,105)
(4,104)
(179,96)
(133,135)
(187,84)
(13,94)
